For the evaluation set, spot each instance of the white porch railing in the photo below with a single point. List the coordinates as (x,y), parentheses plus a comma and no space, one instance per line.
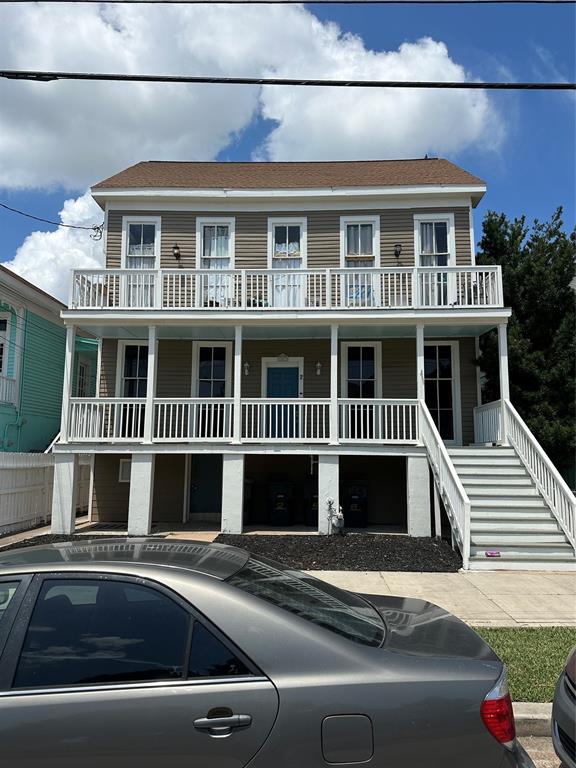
(549,481)
(7,389)
(450,488)
(274,289)
(292,421)
(196,419)
(379,421)
(106,420)
(488,423)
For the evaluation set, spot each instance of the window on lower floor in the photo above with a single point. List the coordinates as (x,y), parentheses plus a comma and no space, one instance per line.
(135,370)
(361,372)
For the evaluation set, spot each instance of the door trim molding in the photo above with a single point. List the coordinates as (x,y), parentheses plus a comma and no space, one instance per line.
(282,362)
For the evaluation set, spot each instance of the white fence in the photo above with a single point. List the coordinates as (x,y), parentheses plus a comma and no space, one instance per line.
(26,481)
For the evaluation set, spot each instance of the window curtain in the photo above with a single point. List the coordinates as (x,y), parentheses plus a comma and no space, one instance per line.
(216,239)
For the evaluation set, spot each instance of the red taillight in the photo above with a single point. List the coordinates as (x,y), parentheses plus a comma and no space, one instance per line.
(497,714)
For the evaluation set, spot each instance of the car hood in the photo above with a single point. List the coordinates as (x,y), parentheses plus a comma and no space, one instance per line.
(424,629)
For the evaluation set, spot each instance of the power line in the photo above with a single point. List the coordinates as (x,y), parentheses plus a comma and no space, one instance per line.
(45,77)
(320,2)
(96,230)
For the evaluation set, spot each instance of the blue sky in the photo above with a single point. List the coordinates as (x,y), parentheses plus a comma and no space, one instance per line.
(531,173)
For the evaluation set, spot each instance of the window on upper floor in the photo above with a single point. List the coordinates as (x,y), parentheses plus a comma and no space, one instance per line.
(434,240)
(141,242)
(287,243)
(359,241)
(215,243)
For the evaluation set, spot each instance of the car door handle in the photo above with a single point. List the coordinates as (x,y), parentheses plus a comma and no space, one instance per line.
(222,726)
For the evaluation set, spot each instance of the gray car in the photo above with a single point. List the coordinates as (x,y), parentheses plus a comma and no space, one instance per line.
(139,653)
(564,714)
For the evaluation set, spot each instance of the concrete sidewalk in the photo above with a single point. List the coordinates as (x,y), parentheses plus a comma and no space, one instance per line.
(480,598)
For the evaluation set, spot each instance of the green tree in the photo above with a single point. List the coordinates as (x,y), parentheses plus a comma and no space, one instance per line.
(538,270)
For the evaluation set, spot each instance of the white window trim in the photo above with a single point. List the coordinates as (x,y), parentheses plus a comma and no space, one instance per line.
(203,221)
(419,218)
(126,221)
(122,344)
(5,335)
(375,221)
(121,464)
(456,392)
(196,346)
(288,362)
(344,346)
(302,222)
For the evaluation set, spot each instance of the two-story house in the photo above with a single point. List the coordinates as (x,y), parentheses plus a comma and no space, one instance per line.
(32,351)
(279,339)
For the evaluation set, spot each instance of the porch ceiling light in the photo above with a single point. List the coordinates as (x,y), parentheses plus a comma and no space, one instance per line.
(318,368)
(176,251)
(246,369)
(398,250)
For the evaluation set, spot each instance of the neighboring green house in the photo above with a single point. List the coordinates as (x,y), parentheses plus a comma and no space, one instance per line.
(32,351)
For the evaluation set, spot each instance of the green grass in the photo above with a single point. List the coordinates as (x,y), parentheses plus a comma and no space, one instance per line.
(535,656)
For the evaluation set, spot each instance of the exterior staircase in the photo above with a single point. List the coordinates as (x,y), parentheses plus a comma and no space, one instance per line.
(511,526)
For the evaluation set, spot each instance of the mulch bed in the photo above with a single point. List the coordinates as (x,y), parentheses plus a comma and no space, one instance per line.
(49,539)
(352,552)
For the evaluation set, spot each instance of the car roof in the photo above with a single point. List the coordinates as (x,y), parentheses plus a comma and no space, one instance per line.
(218,560)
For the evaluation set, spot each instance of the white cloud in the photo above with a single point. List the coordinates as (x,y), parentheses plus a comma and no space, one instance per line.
(75,133)
(46,258)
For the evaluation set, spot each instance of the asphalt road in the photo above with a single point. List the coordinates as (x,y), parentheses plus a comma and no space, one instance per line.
(541,751)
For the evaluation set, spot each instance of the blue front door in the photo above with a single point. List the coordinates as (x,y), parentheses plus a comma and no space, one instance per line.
(282,420)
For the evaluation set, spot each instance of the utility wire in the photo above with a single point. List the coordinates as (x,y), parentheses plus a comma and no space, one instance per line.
(319,2)
(96,230)
(45,77)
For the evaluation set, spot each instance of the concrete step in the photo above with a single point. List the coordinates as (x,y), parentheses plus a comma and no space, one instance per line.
(526,551)
(515,515)
(498,540)
(509,502)
(500,492)
(486,461)
(522,564)
(481,450)
(483,471)
(498,526)
(497,482)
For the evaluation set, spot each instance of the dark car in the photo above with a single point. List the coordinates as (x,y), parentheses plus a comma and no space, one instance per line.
(140,653)
(564,714)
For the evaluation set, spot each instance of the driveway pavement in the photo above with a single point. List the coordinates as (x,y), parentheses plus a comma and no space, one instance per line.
(541,751)
(482,598)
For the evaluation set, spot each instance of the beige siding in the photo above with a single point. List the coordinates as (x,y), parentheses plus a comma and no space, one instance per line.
(107,387)
(396,226)
(399,368)
(174,377)
(168,488)
(110,498)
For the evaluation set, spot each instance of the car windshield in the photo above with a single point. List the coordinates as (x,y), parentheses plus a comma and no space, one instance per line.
(341,612)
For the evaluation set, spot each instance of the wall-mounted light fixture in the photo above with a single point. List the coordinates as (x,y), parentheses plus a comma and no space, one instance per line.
(246,369)
(318,368)
(176,251)
(398,250)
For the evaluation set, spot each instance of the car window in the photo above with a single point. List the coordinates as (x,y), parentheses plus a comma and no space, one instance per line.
(7,591)
(209,657)
(316,601)
(85,632)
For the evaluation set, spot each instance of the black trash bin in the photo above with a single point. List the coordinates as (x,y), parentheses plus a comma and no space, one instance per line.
(355,506)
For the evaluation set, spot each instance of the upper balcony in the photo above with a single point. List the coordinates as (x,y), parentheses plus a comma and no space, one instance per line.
(275,290)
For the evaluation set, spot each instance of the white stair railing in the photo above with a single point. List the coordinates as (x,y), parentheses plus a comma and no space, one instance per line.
(548,480)
(448,483)
(488,423)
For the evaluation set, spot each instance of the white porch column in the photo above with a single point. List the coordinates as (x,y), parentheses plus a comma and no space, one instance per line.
(504,380)
(334,436)
(141,494)
(232,493)
(64,493)
(237,423)
(418,496)
(67,384)
(420,362)
(150,384)
(328,488)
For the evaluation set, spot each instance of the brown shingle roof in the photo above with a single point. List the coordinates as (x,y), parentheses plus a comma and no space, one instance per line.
(365,173)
